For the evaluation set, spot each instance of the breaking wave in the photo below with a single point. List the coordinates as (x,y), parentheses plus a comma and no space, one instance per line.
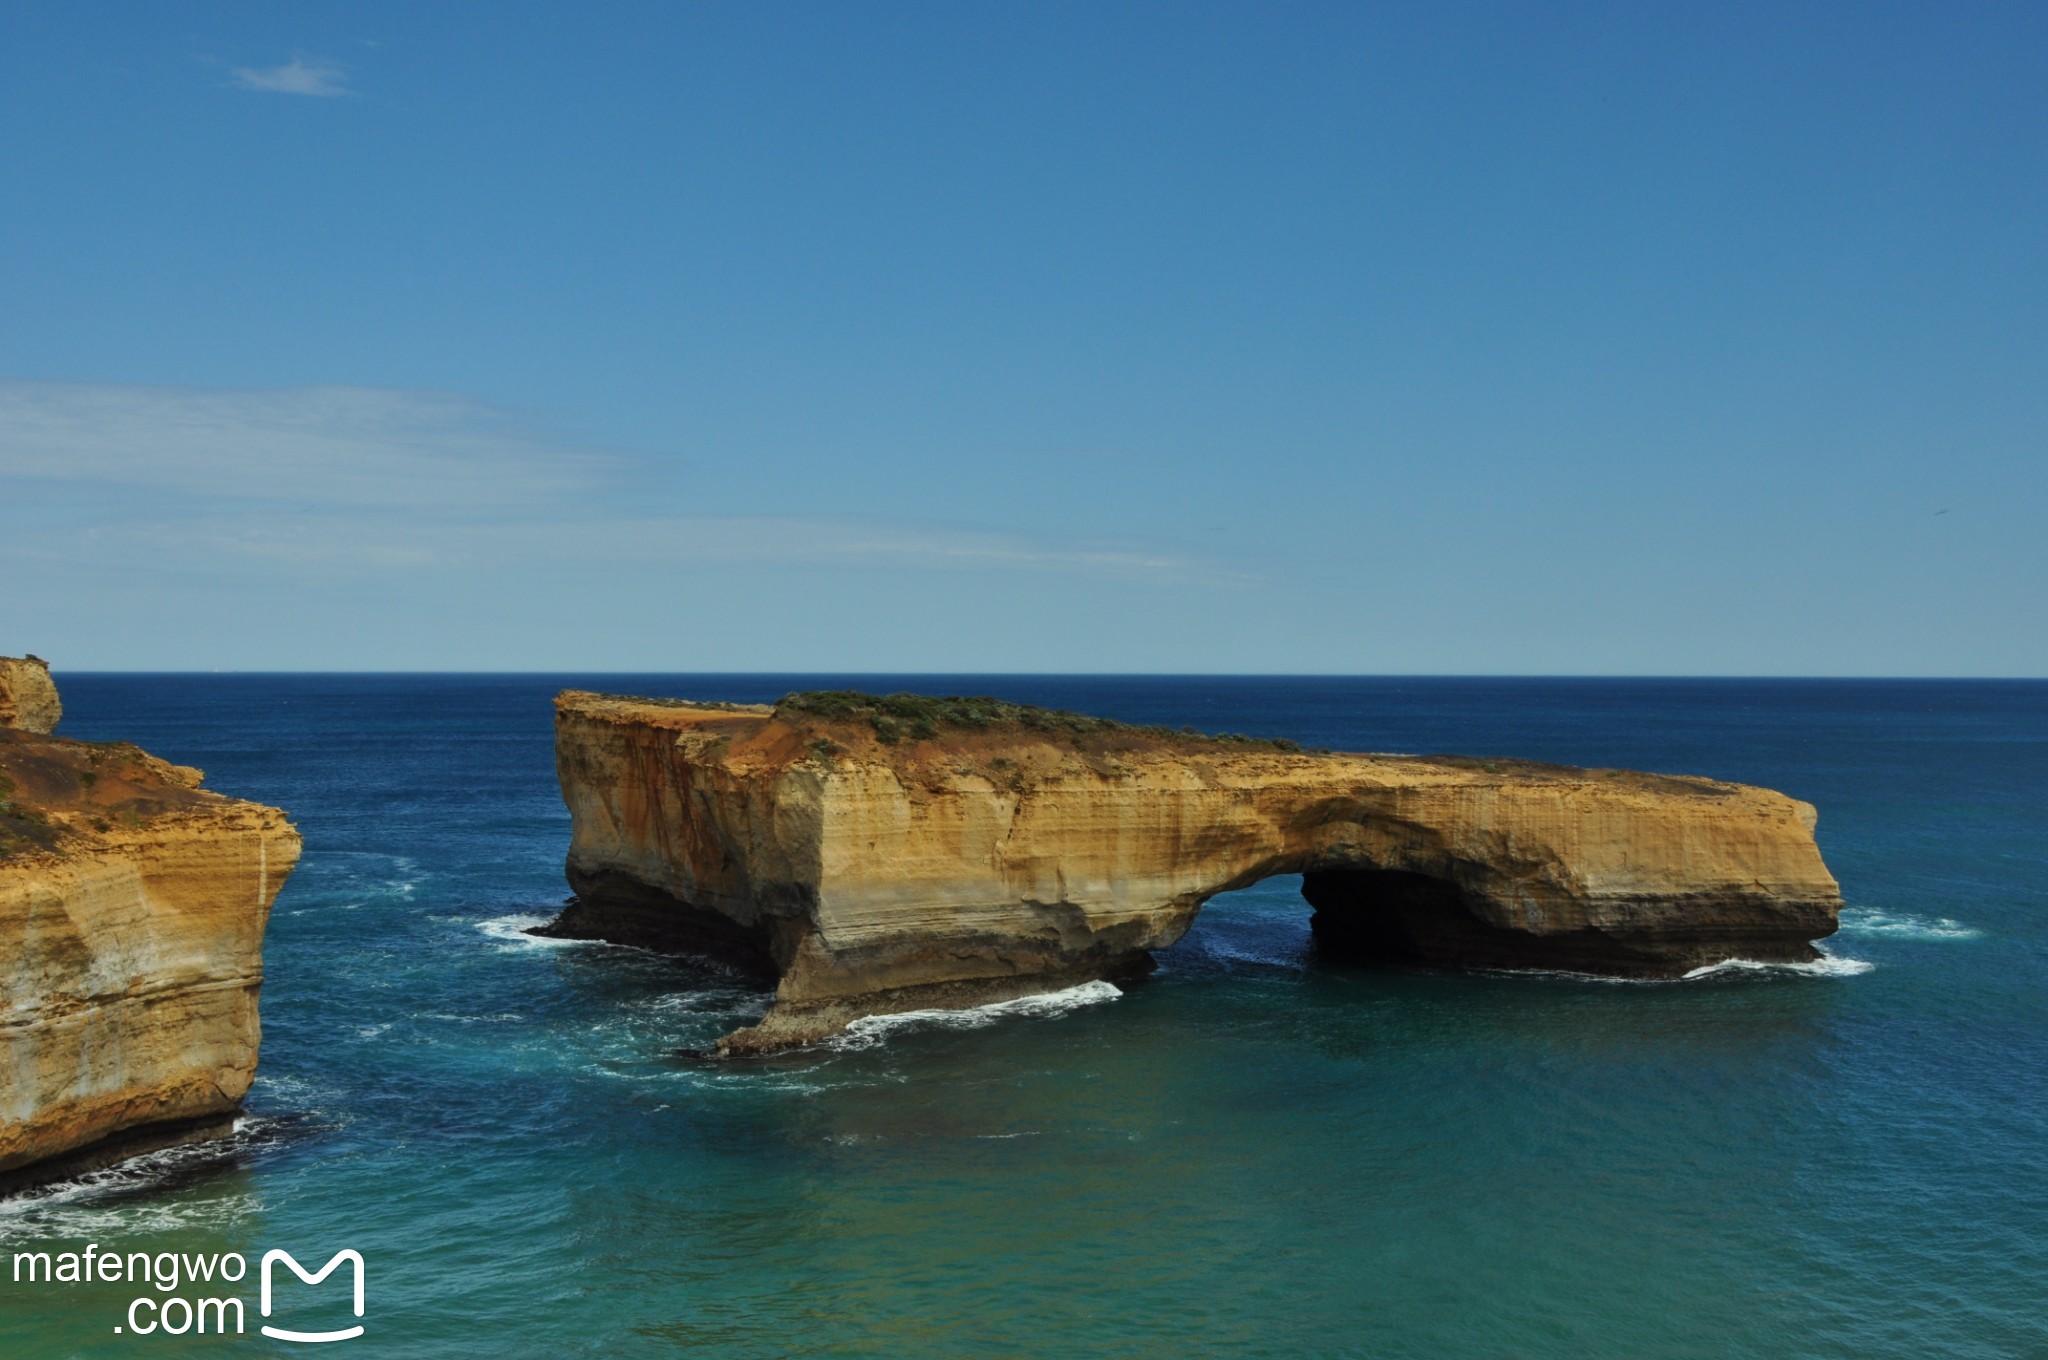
(871,1030)
(127,1197)
(512,932)
(1827,965)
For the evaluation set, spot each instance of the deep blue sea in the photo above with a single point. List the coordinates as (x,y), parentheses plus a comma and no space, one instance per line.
(1251,1153)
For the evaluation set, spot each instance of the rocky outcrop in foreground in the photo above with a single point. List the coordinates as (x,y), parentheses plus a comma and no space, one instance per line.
(132,907)
(895,854)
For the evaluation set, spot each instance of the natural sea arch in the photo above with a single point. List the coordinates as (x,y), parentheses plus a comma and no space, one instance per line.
(876,869)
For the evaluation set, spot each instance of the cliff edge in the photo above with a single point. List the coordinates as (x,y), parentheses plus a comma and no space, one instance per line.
(887,854)
(132,908)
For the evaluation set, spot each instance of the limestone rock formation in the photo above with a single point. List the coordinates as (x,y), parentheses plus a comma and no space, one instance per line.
(886,855)
(132,908)
(28,698)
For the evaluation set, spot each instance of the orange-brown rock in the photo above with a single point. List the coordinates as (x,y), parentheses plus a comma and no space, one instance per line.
(132,908)
(28,698)
(875,858)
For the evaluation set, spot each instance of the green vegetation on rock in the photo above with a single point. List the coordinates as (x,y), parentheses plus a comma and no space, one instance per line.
(921,717)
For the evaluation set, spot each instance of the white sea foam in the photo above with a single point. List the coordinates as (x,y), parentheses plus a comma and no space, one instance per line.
(403,876)
(512,931)
(1870,921)
(105,1201)
(707,1000)
(409,876)
(871,1030)
(113,1203)
(1604,979)
(1228,955)
(1827,965)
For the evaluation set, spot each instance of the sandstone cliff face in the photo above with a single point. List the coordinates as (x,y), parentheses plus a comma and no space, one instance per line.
(869,875)
(132,908)
(28,698)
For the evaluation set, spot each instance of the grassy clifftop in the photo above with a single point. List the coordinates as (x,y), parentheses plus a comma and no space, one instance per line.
(919,717)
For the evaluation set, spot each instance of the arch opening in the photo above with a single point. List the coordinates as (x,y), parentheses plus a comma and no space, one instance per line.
(1363,914)
(1368,915)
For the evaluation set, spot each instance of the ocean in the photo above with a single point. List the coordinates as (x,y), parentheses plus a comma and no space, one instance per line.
(1250,1153)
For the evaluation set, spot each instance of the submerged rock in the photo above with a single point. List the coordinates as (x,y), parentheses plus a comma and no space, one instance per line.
(881,855)
(132,908)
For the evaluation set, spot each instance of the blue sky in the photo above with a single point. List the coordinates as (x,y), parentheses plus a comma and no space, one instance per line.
(1356,338)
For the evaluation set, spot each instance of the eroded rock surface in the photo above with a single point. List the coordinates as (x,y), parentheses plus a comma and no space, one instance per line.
(874,863)
(132,909)
(28,697)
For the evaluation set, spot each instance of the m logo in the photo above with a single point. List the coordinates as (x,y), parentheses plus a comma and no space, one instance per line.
(352,1257)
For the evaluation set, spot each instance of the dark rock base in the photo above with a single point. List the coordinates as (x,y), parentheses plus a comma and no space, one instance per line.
(620,910)
(118,1147)
(1385,916)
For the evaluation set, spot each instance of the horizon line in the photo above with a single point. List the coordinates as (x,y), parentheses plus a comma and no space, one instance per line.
(1086,675)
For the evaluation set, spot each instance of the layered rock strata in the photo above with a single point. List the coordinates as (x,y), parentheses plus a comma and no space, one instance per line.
(870,861)
(132,908)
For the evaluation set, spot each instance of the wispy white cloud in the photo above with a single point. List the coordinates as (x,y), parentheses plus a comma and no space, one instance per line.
(323,446)
(382,479)
(644,544)
(320,79)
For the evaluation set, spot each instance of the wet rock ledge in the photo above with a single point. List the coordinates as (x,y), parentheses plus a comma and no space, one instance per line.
(873,855)
(132,908)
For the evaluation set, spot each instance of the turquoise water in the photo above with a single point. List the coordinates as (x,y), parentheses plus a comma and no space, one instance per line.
(1251,1153)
